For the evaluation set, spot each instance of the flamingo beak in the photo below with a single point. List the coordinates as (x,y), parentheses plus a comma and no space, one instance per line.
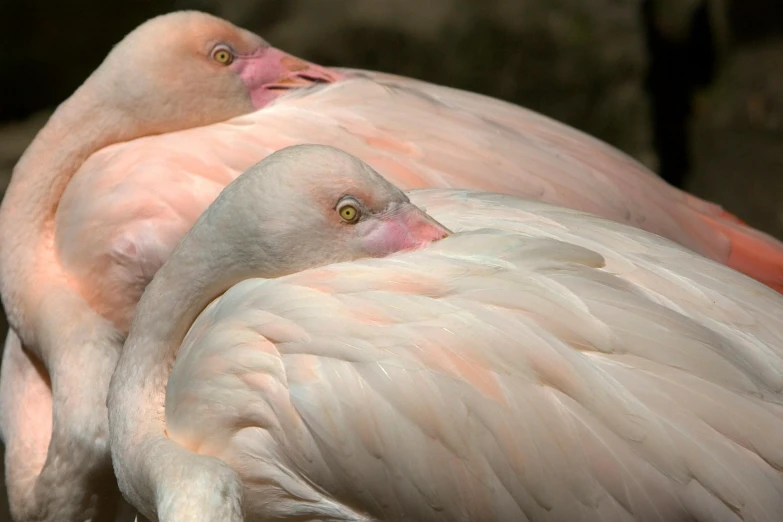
(270,72)
(403,229)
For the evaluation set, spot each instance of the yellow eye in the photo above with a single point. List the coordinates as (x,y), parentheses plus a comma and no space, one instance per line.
(349,213)
(222,56)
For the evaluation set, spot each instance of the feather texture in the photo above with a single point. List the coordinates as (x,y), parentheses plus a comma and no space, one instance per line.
(540,364)
(130,203)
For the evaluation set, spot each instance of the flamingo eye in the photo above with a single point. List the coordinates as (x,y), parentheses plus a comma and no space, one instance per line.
(348,212)
(222,55)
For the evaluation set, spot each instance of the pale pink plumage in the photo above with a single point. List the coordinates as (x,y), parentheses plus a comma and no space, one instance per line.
(146,193)
(539,364)
(129,204)
(165,75)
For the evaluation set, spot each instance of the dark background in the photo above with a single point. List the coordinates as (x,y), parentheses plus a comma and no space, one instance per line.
(695,93)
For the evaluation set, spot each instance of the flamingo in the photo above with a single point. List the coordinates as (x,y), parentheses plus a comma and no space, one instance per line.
(317,347)
(127,164)
(173,72)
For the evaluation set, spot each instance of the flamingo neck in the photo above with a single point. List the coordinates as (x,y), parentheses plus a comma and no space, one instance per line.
(200,269)
(180,290)
(80,126)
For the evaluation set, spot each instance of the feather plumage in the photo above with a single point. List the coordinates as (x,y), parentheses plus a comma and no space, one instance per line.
(540,364)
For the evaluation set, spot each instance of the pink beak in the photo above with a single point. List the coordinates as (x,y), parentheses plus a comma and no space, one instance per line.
(405,228)
(270,72)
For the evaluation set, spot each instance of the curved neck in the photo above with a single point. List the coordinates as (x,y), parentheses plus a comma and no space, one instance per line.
(80,126)
(202,267)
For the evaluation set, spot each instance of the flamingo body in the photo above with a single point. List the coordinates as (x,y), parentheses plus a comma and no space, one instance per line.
(127,164)
(130,203)
(540,364)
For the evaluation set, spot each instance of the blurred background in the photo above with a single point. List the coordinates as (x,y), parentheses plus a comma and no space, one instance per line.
(691,88)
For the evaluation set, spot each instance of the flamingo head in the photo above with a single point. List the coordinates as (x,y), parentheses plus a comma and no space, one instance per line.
(187,69)
(311,205)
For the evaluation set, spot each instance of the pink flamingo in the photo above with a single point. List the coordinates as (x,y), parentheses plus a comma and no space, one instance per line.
(126,165)
(538,364)
(173,72)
